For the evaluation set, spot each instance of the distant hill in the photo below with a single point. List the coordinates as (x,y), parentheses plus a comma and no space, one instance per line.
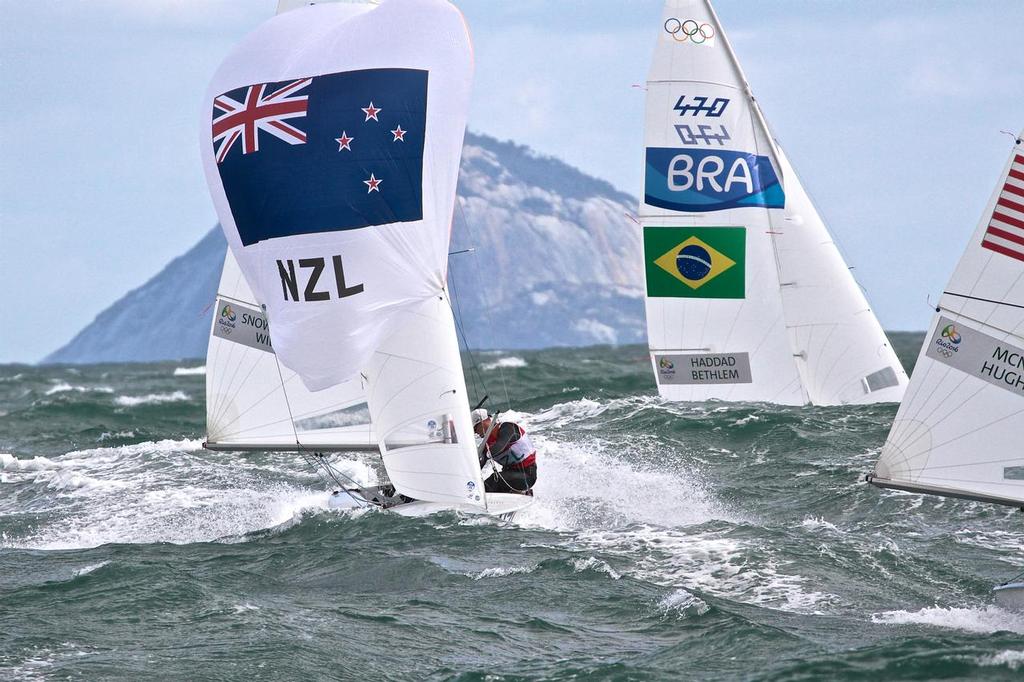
(557,262)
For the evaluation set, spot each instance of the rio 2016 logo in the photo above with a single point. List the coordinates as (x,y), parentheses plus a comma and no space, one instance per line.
(949,341)
(228,313)
(689,31)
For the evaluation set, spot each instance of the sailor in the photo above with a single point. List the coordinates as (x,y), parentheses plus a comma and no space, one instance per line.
(508,445)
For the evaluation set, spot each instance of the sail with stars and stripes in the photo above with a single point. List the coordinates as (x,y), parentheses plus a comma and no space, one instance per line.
(1005,232)
(957,432)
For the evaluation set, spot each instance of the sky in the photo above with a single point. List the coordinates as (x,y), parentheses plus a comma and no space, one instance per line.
(890,112)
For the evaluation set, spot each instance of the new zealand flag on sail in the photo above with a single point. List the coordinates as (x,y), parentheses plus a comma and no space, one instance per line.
(334,152)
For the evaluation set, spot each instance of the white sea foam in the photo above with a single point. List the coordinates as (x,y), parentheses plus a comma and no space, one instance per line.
(151,399)
(9,462)
(135,494)
(189,371)
(818,523)
(620,499)
(62,387)
(178,516)
(1012,659)
(988,619)
(498,571)
(511,362)
(596,565)
(683,603)
(86,570)
(585,485)
(107,435)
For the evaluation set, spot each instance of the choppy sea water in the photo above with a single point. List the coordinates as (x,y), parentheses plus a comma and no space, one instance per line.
(668,541)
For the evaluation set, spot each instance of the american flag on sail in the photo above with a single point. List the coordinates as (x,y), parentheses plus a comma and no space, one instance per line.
(1005,233)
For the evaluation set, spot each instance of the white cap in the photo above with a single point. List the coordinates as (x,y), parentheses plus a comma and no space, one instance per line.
(478,415)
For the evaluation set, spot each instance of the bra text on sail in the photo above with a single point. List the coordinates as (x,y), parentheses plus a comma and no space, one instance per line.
(700,180)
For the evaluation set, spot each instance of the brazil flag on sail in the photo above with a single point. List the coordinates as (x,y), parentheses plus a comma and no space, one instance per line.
(695,262)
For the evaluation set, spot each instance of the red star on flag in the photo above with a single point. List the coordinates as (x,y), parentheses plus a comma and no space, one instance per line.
(372,183)
(371,112)
(344,141)
(399,134)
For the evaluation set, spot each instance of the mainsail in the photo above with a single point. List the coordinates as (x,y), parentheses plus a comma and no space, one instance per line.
(252,402)
(748,297)
(957,432)
(331,148)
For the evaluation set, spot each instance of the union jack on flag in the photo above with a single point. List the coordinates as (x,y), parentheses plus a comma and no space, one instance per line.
(344,152)
(259,111)
(1005,232)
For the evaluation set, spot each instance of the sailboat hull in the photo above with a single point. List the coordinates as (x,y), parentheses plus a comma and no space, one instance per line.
(501,505)
(1009,596)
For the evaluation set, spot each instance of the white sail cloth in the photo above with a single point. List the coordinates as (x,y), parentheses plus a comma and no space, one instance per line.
(332,154)
(958,429)
(747,296)
(254,403)
(337,222)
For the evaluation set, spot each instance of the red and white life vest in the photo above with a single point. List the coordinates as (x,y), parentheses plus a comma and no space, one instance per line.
(519,455)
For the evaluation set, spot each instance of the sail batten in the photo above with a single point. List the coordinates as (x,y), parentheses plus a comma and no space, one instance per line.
(738,263)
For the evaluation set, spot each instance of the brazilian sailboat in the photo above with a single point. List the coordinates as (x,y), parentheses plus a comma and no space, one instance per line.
(748,297)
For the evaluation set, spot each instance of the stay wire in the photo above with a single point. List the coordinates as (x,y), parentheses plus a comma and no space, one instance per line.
(485,302)
(303,450)
(475,376)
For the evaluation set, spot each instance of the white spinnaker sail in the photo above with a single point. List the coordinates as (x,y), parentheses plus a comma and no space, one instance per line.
(959,427)
(254,403)
(332,157)
(714,221)
(331,147)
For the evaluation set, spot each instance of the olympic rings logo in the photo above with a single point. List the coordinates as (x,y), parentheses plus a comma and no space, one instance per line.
(681,31)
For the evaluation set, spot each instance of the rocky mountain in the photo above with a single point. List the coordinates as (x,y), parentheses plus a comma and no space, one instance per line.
(556,262)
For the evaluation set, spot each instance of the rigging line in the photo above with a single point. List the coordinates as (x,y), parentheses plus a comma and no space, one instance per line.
(985,300)
(1015,578)
(475,375)
(485,303)
(981,322)
(936,363)
(295,432)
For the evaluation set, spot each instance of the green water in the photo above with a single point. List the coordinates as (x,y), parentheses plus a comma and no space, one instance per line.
(668,541)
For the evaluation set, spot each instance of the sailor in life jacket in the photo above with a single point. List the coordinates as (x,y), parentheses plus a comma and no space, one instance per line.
(508,445)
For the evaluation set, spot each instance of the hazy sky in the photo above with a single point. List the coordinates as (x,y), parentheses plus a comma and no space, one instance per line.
(890,113)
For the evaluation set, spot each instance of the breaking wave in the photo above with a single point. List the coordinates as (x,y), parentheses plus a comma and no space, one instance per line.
(151,399)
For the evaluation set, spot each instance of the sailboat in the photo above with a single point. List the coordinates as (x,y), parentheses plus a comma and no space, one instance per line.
(331,148)
(747,296)
(957,432)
